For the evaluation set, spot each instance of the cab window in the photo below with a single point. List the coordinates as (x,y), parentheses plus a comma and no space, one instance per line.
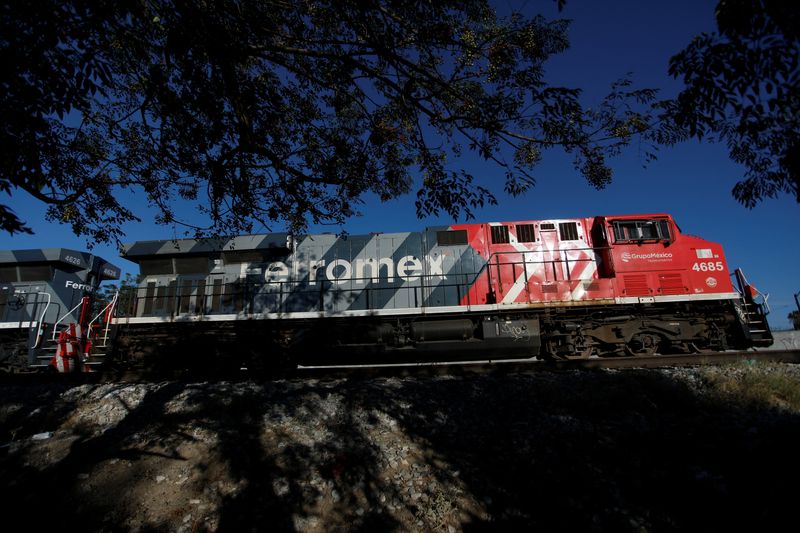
(641,230)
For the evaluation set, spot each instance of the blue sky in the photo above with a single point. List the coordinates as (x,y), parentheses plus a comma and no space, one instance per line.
(692,181)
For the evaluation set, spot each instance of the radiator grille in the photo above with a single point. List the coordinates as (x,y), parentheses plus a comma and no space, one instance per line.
(636,285)
(671,283)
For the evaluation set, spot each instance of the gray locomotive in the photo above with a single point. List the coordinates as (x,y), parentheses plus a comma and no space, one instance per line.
(43,291)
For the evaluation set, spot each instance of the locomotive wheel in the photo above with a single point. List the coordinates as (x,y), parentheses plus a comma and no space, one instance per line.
(585,353)
(561,355)
(643,344)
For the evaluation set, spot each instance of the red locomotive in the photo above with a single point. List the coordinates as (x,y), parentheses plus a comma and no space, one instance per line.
(562,288)
(602,286)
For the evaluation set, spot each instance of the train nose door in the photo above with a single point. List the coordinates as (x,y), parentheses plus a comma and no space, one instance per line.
(569,262)
(551,260)
(506,265)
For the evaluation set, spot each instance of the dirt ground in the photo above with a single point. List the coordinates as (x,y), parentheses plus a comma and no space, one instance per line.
(632,450)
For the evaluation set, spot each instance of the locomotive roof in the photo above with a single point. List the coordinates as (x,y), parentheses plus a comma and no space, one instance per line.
(143,249)
(64,256)
(276,242)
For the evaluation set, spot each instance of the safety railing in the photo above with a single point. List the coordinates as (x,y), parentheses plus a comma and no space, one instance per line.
(40,322)
(288,296)
(68,313)
(208,296)
(528,266)
(108,311)
(742,285)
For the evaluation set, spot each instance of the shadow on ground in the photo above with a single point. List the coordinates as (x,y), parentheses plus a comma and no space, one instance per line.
(625,451)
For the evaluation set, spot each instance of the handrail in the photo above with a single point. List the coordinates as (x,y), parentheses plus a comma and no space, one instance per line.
(108,323)
(180,291)
(745,285)
(525,261)
(55,326)
(110,316)
(41,319)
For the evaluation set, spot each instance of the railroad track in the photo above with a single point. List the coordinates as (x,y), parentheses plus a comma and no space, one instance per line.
(422,369)
(517,366)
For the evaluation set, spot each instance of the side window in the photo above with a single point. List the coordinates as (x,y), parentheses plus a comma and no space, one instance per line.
(623,231)
(641,230)
(663,229)
(451,238)
(499,234)
(568,231)
(525,233)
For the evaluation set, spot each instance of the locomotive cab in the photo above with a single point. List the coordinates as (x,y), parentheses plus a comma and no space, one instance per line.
(620,240)
(648,257)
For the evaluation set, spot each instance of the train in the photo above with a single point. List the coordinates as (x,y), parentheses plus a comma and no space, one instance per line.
(602,286)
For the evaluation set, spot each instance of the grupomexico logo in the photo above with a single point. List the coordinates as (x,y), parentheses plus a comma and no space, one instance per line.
(627,257)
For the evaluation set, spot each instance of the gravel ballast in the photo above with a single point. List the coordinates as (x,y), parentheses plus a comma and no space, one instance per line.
(712,448)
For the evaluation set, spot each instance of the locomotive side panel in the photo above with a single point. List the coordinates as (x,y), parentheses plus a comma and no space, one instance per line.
(318,275)
(544,262)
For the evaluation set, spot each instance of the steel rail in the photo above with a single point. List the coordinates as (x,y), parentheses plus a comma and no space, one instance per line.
(419,370)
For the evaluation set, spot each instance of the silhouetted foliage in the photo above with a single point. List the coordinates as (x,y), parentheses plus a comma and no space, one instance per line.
(794,318)
(742,89)
(260,112)
(125,291)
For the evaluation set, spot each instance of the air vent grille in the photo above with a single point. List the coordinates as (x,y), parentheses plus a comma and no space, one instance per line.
(636,285)
(671,284)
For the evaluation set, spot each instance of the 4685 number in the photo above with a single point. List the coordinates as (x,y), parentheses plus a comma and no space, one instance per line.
(710,266)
